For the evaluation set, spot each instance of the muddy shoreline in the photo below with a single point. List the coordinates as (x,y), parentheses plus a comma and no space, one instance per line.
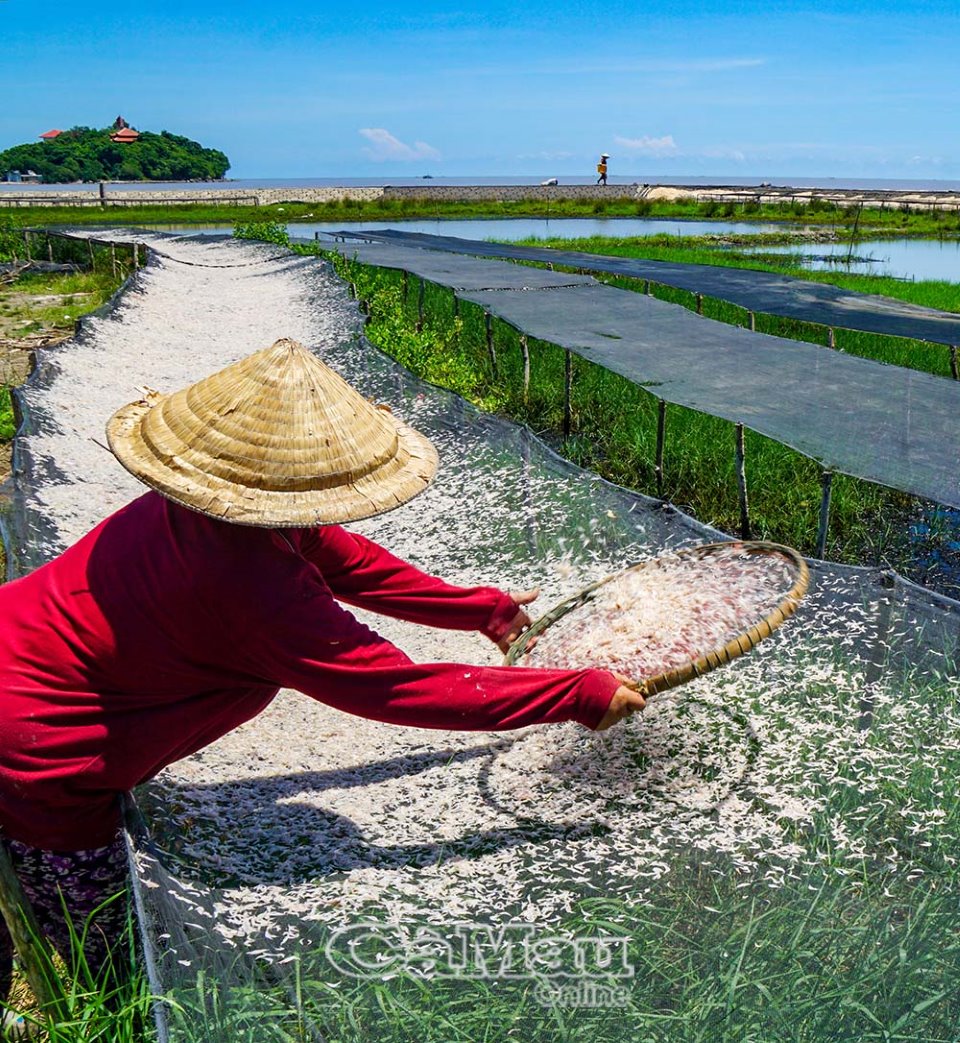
(762,193)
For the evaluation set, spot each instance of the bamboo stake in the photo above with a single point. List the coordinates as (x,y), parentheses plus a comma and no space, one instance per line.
(525,353)
(491,347)
(752,321)
(661,432)
(954,369)
(567,392)
(831,338)
(32,948)
(742,485)
(113,258)
(826,486)
(699,303)
(421,288)
(26,243)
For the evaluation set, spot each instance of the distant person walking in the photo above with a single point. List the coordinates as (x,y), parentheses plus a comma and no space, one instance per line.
(602,169)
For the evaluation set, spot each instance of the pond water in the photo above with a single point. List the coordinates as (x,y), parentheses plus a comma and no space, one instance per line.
(915,259)
(901,258)
(513,228)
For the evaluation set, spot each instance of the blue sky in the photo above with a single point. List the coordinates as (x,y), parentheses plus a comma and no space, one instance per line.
(379,89)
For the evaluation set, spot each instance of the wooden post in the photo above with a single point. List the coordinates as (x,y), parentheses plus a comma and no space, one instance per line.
(113,258)
(831,337)
(103,194)
(954,369)
(405,284)
(661,432)
(647,288)
(90,251)
(31,946)
(421,287)
(742,485)
(525,354)
(136,256)
(491,347)
(49,248)
(567,393)
(752,321)
(826,486)
(699,299)
(26,243)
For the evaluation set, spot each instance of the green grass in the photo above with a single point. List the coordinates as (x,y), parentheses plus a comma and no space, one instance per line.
(111,1005)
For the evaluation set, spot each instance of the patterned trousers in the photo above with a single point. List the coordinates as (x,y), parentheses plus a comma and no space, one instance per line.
(67,890)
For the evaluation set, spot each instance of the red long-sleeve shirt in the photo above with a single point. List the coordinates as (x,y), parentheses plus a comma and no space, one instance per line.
(162,629)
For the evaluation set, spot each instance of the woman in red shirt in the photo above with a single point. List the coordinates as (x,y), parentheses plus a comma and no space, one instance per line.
(183,614)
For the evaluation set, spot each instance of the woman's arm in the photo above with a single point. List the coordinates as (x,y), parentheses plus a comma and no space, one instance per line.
(362,573)
(320,649)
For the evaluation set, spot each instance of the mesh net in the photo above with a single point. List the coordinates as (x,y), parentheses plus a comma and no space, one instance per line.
(764,292)
(787,826)
(900,435)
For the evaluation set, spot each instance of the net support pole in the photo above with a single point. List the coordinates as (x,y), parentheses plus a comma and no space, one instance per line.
(826,488)
(567,392)
(831,337)
(661,432)
(405,283)
(32,948)
(525,355)
(90,251)
(421,289)
(699,300)
(740,456)
(646,287)
(490,346)
(456,304)
(752,321)
(26,244)
(954,368)
(136,257)
(50,249)
(113,259)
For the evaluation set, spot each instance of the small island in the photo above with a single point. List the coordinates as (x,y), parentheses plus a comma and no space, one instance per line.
(116,153)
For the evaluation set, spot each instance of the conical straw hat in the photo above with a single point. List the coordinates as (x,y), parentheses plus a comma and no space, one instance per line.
(276,439)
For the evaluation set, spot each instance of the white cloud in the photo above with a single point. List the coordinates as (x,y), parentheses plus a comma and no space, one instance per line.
(647,146)
(384,146)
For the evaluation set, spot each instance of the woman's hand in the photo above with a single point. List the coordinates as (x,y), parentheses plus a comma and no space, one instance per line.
(520,621)
(625,702)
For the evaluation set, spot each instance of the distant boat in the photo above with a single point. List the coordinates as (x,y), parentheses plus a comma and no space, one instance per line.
(549,181)
(427,177)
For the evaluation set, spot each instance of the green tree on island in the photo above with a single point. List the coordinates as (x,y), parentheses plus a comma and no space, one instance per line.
(89,154)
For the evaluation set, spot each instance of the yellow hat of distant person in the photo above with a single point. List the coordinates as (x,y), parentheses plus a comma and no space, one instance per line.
(275,440)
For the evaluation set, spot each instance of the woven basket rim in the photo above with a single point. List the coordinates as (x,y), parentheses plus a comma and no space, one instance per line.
(715,657)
